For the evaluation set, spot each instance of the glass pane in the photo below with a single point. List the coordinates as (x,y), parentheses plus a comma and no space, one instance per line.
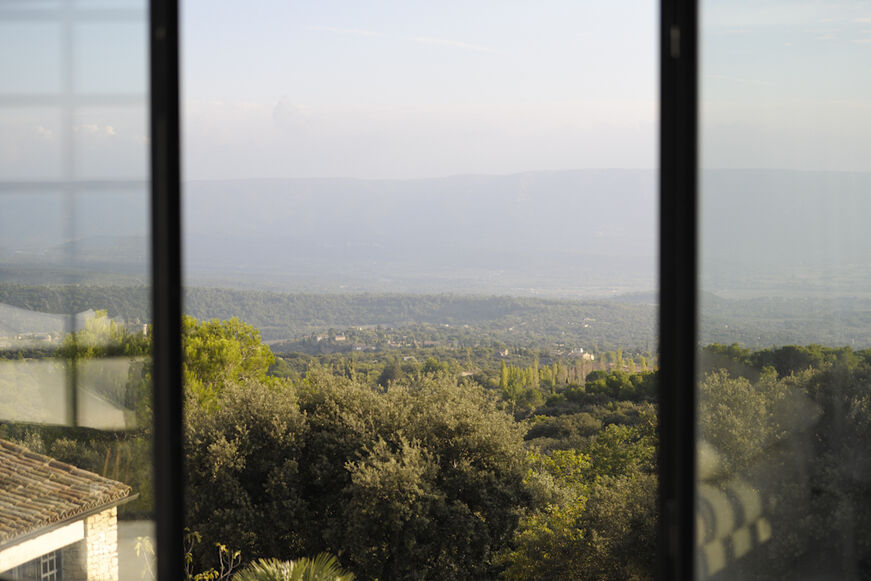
(40,73)
(76,496)
(420,256)
(784,321)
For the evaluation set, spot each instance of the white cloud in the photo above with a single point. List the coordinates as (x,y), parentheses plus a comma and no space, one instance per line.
(89,128)
(450,43)
(288,115)
(45,133)
(95,129)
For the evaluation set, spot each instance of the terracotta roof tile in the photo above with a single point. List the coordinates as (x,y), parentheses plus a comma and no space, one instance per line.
(37,491)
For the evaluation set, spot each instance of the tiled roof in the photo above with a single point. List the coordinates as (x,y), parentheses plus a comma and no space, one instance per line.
(37,491)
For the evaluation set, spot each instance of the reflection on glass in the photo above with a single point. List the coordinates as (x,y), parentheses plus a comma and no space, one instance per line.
(75,411)
(784,475)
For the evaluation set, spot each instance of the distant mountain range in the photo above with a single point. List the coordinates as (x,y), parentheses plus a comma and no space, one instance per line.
(780,233)
(590,233)
(581,232)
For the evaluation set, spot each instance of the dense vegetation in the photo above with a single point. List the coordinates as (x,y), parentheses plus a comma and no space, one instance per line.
(789,426)
(455,460)
(422,473)
(418,475)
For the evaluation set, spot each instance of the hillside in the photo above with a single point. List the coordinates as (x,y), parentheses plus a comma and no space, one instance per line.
(627,322)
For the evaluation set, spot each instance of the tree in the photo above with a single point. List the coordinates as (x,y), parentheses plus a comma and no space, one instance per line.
(242,471)
(734,417)
(102,337)
(422,480)
(596,517)
(391,372)
(220,352)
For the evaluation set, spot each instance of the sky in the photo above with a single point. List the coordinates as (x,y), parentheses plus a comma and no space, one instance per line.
(405,89)
(412,89)
(786,84)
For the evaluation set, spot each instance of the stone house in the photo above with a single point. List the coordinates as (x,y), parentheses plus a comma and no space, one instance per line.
(57,522)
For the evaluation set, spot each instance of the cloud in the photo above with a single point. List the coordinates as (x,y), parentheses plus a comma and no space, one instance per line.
(45,133)
(287,115)
(450,43)
(346,31)
(95,129)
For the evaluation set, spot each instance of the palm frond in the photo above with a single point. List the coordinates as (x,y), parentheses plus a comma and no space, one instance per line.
(323,567)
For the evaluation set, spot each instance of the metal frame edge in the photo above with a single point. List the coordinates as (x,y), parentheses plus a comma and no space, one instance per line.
(166,287)
(678,272)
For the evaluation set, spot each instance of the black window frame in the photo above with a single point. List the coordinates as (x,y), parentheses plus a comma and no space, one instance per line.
(678,209)
(166,282)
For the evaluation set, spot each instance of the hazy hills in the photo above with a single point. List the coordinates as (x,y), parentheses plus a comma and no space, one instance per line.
(590,233)
(625,321)
(584,232)
(781,233)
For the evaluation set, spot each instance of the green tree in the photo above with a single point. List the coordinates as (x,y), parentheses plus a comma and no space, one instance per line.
(391,372)
(597,511)
(220,352)
(422,480)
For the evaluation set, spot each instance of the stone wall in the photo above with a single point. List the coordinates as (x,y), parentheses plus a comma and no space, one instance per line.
(94,558)
(101,546)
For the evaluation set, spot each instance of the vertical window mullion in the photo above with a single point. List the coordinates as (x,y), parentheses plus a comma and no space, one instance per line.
(166,277)
(677,276)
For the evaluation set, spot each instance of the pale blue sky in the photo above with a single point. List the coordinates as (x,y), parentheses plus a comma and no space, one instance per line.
(416,89)
(786,84)
(404,89)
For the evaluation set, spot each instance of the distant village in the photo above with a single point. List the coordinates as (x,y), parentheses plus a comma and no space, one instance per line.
(378,338)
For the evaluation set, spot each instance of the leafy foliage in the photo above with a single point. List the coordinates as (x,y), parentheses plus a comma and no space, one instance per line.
(421,480)
(596,516)
(323,567)
(219,352)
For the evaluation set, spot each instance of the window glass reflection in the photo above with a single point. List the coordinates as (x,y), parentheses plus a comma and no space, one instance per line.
(75,395)
(783,474)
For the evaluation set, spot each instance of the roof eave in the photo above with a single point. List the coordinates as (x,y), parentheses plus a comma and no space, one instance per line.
(64,522)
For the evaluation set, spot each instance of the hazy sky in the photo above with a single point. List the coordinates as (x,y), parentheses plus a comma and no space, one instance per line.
(402,89)
(786,84)
(412,89)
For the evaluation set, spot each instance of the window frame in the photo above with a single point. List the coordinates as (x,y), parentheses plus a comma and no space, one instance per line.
(166,275)
(678,150)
